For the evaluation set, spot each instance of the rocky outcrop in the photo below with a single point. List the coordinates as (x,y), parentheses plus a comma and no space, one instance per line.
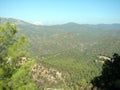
(42,74)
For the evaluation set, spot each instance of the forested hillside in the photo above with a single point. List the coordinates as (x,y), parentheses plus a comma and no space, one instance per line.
(68,56)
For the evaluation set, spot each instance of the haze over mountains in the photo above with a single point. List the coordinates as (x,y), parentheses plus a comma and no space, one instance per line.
(18,22)
(82,37)
(68,52)
(60,45)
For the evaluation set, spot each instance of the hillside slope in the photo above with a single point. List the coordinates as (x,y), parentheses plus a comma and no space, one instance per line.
(100,38)
(67,55)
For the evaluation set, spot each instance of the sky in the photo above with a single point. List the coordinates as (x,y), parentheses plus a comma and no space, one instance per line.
(51,12)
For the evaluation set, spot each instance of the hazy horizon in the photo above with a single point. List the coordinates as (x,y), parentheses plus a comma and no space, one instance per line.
(62,11)
(35,23)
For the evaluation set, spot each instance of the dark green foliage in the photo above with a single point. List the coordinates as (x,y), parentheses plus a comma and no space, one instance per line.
(110,78)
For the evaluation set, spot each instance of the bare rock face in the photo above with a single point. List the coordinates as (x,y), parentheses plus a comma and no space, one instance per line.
(103,58)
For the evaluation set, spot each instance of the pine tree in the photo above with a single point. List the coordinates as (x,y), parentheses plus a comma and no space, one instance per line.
(12,48)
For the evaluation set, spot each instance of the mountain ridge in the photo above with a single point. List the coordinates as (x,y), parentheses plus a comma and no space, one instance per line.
(19,21)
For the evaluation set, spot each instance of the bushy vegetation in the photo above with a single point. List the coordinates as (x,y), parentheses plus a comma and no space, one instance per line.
(77,72)
(67,56)
(12,75)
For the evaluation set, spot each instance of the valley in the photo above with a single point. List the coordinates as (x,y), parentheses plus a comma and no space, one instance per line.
(65,54)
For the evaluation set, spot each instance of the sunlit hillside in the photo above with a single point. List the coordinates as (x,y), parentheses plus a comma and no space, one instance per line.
(68,56)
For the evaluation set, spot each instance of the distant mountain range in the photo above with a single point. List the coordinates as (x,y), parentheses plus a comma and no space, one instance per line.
(70,24)
(84,38)
(66,55)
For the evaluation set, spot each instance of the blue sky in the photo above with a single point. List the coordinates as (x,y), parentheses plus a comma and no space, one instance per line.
(62,11)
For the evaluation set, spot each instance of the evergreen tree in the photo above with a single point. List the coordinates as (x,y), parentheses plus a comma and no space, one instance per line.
(12,48)
(110,78)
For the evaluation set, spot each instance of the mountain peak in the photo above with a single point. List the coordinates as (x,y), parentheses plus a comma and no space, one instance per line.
(71,23)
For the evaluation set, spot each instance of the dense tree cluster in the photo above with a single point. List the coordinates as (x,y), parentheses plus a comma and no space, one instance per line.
(110,78)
